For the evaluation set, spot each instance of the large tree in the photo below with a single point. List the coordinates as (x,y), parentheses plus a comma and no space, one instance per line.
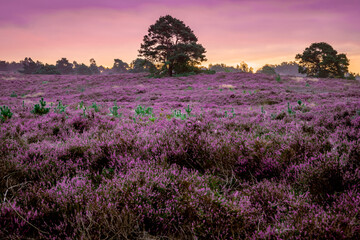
(171,42)
(321,60)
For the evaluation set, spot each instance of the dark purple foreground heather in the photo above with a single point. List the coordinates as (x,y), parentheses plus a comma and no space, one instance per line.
(247,157)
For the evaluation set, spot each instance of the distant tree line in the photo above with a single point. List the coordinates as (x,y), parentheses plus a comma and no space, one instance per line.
(64,66)
(285,68)
(242,67)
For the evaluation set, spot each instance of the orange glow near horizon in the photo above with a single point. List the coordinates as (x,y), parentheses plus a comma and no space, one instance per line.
(255,32)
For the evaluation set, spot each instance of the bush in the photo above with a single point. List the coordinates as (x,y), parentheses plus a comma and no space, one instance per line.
(5,113)
(40,108)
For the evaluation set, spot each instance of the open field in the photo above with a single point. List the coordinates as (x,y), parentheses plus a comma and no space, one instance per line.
(223,156)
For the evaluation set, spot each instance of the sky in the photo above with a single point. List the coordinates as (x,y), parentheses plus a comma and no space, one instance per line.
(255,31)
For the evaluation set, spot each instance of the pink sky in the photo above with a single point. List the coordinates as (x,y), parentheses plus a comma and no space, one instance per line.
(257,32)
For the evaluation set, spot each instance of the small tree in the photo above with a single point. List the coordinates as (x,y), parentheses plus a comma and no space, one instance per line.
(93,67)
(170,42)
(267,69)
(243,67)
(120,66)
(321,60)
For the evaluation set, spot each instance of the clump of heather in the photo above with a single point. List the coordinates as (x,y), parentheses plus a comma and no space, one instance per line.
(256,160)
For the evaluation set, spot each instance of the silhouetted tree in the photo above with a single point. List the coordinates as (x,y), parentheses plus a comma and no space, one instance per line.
(81,69)
(321,60)
(3,66)
(243,67)
(120,66)
(29,66)
(47,69)
(267,69)
(64,66)
(93,67)
(222,67)
(14,66)
(170,42)
(141,65)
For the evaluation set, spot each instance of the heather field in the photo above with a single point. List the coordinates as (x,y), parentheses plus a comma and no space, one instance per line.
(222,156)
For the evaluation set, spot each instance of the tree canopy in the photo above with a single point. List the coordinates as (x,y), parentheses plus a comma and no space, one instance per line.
(120,66)
(171,42)
(321,60)
(267,69)
(64,66)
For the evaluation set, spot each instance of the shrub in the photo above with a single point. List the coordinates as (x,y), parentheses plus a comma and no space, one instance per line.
(95,107)
(114,110)
(5,113)
(143,111)
(60,108)
(40,108)
(322,177)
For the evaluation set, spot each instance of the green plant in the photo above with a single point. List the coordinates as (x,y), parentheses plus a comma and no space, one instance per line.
(209,88)
(189,88)
(221,89)
(278,78)
(40,108)
(188,110)
(84,112)
(152,119)
(5,113)
(290,109)
(142,111)
(60,108)
(178,114)
(299,102)
(95,107)
(233,112)
(307,85)
(114,110)
(262,110)
(81,105)
(13,94)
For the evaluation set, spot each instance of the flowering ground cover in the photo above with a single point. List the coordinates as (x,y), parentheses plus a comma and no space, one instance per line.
(223,156)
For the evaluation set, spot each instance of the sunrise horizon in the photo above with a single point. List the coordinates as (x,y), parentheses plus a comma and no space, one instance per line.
(254,32)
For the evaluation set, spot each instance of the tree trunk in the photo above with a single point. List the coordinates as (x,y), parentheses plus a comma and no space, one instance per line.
(170,69)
